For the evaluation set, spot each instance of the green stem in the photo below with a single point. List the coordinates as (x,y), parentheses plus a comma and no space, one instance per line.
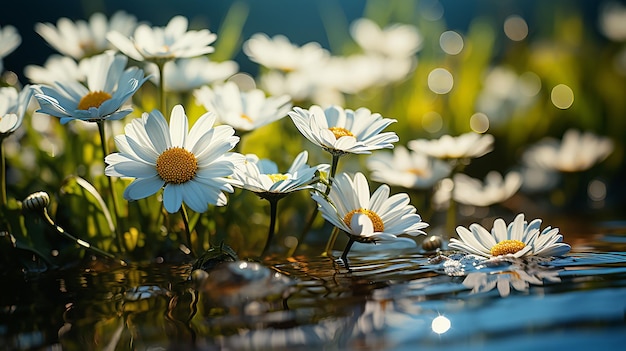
(344,255)
(78,241)
(183,214)
(162,104)
(116,212)
(272,228)
(3,178)
(309,223)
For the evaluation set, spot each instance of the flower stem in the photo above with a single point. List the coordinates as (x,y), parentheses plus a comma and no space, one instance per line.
(162,104)
(271,231)
(116,212)
(344,255)
(3,179)
(183,214)
(309,223)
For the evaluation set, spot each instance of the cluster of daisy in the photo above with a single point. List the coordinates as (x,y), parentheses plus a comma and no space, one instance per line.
(195,166)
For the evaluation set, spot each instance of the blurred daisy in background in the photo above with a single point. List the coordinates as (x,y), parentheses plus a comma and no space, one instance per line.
(10,39)
(109,86)
(396,40)
(577,151)
(518,239)
(495,188)
(242,110)
(191,166)
(79,39)
(408,169)
(184,75)
(365,217)
(13,106)
(161,44)
(279,53)
(57,68)
(464,146)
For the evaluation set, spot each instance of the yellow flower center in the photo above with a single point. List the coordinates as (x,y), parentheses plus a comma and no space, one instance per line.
(277,177)
(246,117)
(176,165)
(339,132)
(418,172)
(379,226)
(93,99)
(507,247)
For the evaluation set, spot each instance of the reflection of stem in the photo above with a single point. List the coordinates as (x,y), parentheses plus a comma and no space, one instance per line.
(309,223)
(105,152)
(183,214)
(271,231)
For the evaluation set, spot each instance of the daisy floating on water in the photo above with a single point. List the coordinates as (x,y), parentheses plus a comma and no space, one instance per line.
(519,239)
(191,165)
(368,218)
(243,110)
(262,177)
(108,87)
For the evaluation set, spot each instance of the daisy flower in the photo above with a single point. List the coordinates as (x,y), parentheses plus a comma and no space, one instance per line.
(368,218)
(85,38)
(519,239)
(493,190)
(262,176)
(159,44)
(409,169)
(9,41)
(57,68)
(279,53)
(184,75)
(340,131)
(244,111)
(108,87)
(468,145)
(191,165)
(397,40)
(13,106)
(576,152)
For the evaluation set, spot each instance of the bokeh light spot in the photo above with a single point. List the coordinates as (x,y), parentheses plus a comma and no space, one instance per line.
(441,324)
(440,81)
(479,122)
(530,83)
(562,96)
(451,42)
(432,122)
(596,190)
(515,28)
